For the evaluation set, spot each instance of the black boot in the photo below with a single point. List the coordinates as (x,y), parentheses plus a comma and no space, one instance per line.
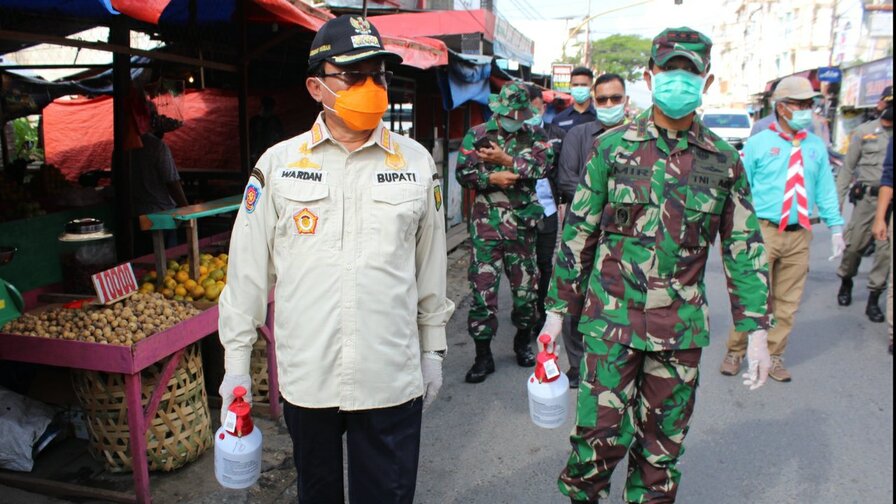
(484,364)
(522,347)
(873,310)
(844,297)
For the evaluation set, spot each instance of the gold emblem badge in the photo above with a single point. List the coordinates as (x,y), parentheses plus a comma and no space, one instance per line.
(306,222)
(304,164)
(316,134)
(361,25)
(396,161)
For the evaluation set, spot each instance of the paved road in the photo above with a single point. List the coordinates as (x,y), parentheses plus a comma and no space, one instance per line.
(827,437)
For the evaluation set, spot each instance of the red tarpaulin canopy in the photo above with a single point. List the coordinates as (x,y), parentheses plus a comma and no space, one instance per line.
(418,52)
(205,141)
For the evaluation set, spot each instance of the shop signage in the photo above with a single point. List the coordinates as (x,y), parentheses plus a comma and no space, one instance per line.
(830,74)
(561,75)
(115,284)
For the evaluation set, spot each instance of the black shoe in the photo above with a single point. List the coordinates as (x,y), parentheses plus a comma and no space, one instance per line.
(844,297)
(484,364)
(873,310)
(522,347)
(573,376)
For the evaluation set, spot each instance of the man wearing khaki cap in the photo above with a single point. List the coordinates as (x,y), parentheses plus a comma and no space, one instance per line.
(789,175)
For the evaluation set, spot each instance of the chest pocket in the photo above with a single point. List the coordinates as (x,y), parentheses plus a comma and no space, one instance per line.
(707,193)
(309,218)
(628,199)
(394,213)
(873,150)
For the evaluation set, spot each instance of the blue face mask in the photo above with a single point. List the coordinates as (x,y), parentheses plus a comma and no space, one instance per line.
(678,92)
(581,94)
(800,120)
(536,120)
(611,116)
(511,125)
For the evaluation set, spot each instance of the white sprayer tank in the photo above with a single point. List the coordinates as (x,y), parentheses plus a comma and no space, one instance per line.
(548,391)
(238,454)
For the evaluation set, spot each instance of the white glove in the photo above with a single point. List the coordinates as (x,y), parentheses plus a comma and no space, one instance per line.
(759,360)
(230,382)
(431,365)
(837,246)
(553,325)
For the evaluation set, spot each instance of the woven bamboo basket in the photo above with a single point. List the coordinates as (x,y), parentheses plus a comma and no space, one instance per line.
(258,369)
(180,431)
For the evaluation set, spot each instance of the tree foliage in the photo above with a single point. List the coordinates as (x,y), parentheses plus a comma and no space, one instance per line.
(625,55)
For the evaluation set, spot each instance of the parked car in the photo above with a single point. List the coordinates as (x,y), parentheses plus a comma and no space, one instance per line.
(732,125)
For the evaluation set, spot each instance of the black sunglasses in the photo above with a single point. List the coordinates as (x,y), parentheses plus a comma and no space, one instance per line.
(606,100)
(354,77)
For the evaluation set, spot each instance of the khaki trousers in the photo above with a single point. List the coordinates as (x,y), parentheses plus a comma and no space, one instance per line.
(890,289)
(788,263)
(858,236)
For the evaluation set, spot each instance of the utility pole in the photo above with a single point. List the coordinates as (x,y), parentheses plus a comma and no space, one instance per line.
(586,56)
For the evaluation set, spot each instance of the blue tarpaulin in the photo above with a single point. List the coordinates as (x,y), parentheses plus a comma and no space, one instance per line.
(465,79)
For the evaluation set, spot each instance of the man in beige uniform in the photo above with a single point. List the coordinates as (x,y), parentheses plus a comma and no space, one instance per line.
(345,222)
(860,178)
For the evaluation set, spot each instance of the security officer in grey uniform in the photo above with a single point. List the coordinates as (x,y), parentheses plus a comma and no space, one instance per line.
(860,180)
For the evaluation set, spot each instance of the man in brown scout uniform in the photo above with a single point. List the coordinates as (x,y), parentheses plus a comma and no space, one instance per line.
(653,198)
(502,160)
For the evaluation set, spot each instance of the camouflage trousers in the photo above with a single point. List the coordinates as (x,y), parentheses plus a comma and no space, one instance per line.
(517,260)
(636,403)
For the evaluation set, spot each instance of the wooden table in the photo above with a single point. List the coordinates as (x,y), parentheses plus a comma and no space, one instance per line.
(160,222)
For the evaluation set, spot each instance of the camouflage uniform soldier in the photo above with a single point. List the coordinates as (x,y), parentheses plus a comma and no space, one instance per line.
(653,198)
(860,178)
(503,221)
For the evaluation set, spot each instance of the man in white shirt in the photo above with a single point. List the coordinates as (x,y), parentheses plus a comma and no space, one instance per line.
(345,222)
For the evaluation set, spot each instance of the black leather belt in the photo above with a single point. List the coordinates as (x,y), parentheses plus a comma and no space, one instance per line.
(791,228)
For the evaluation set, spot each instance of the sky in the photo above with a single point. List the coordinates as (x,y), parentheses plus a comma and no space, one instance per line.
(547,22)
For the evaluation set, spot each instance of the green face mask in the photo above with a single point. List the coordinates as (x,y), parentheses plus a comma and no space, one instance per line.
(678,92)
(611,116)
(510,125)
(581,94)
(535,120)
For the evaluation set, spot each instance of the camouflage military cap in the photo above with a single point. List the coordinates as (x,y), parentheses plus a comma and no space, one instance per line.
(513,102)
(685,42)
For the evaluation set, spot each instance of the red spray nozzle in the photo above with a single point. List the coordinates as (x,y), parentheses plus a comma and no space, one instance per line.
(546,361)
(241,409)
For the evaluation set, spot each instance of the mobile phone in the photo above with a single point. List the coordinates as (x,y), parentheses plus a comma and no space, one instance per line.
(483,143)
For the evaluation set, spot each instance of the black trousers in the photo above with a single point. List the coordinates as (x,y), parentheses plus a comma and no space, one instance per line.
(544,254)
(383,448)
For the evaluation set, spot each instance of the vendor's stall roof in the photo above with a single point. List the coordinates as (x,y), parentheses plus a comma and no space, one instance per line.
(419,52)
(508,42)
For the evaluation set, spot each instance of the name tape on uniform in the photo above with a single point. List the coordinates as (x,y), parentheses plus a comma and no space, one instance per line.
(307,175)
(392,177)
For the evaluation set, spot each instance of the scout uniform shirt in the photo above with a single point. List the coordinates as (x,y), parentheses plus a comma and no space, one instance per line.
(354,245)
(635,246)
(497,213)
(865,157)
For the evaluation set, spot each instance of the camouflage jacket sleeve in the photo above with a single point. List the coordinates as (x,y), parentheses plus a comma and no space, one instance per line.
(575,258)
(536,161)
(744,258)
(471,172)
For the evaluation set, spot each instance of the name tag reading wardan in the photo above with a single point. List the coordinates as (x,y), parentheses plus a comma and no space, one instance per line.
(392,177)
(308,175)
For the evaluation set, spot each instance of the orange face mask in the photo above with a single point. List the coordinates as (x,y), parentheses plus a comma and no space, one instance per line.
(360,107)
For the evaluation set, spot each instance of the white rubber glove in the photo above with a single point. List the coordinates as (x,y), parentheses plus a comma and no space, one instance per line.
(431,365)
(553,325)
(838,245)
(759,360)
(230,382)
